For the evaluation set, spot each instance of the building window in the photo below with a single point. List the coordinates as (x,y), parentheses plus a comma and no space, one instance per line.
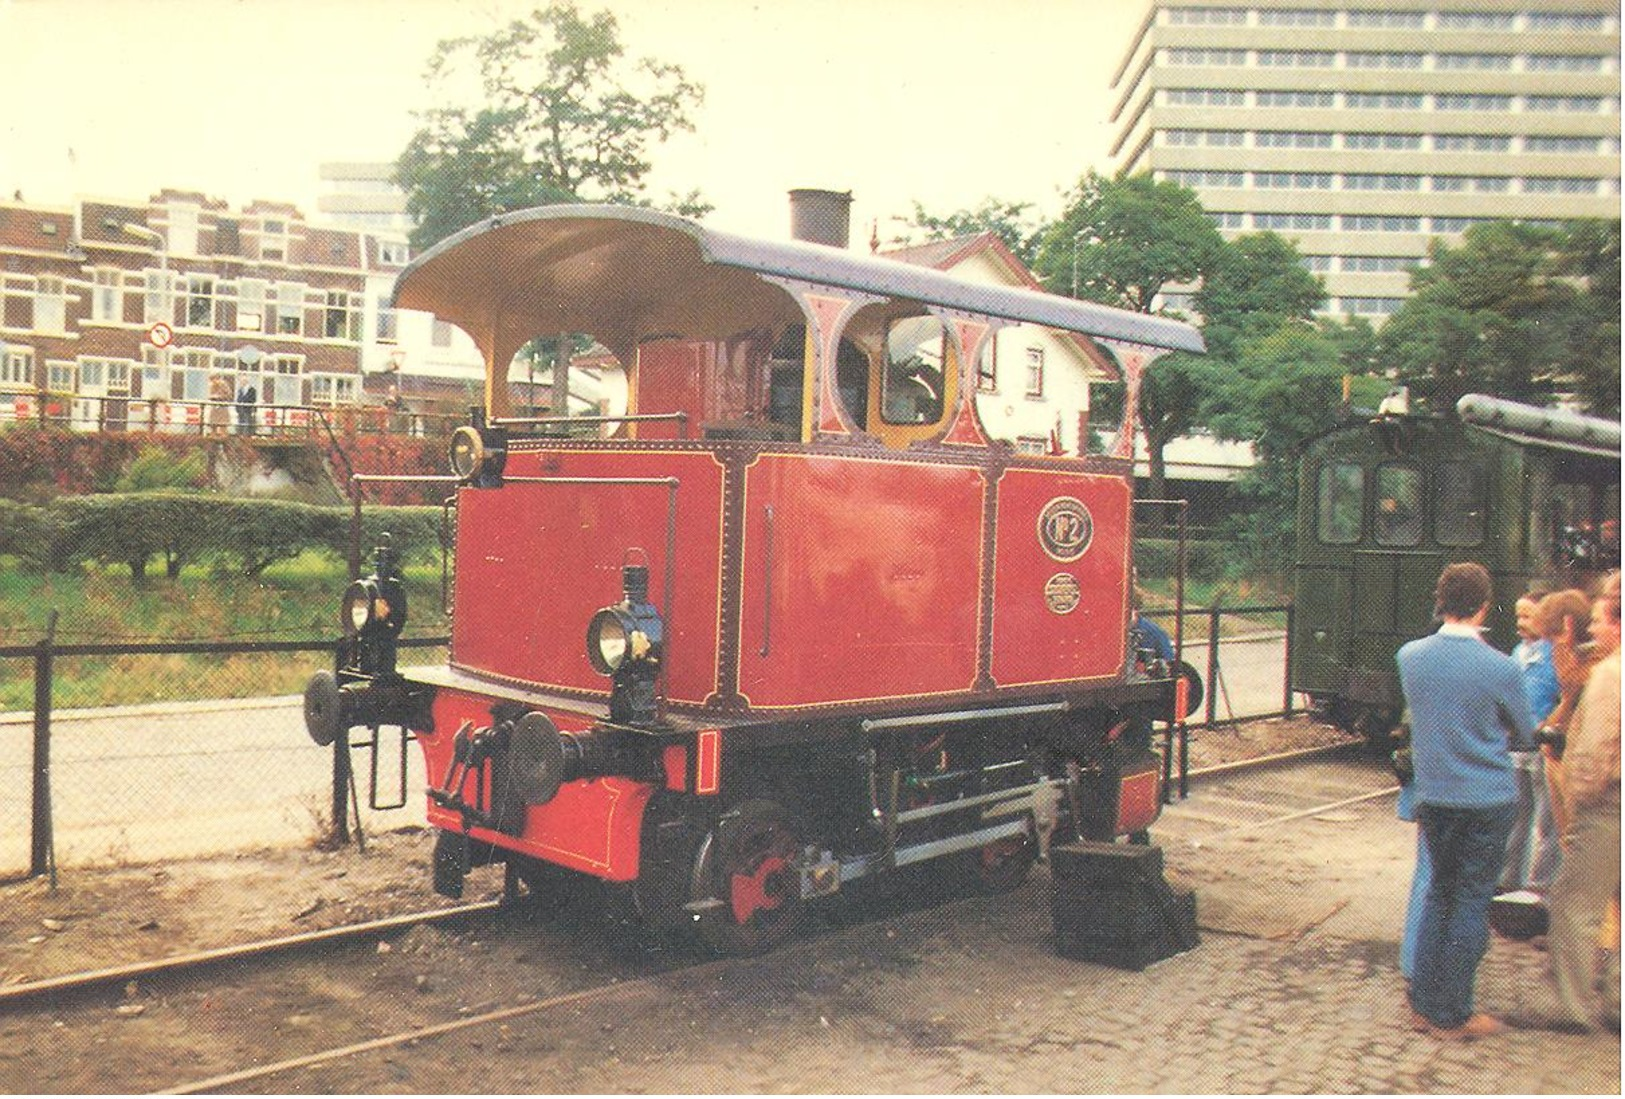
(290,308)
(440,333)
(1317,264)
(1032,444)
(1380,265)
(1292,139)
(1382,141)
(1206,97)
(1388,20)
(1356,181)
(199,302)
(107,299)
(396,253)
(251,305)
(1211,17)
(1374,223)
(386,322)
(1290,17)
(1209,178)
(1446,184)
(1476,143)
(1571,145)
(342,319)
(332,389)
(1177,303)
(1372,307)
(1035,372)
(1296,59)
(1293,181)
(1565,21)
(16,366)
(1560,186)
(1382,101)
(158,303)
(1572,104)
(1187,55)
(1228,219)
(1458,504)
(61,377)
(1483,62)
(1471,102)
(50,305)
(1382,59)
(1455,225)
(1474,21)
(1300,222)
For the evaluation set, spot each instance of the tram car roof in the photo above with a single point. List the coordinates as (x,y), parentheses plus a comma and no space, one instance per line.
(627,275)
(1520,424)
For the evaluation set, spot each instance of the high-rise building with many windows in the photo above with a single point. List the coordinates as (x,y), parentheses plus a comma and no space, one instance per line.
(1362,129)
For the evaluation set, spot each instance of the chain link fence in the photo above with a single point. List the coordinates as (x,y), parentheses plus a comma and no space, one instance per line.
(206,750)
(207,754)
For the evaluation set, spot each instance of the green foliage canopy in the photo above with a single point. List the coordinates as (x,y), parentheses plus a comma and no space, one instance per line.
(563,115)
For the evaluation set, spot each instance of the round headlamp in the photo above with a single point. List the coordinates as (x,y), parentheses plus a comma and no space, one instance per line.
(467,452)
(609,640)
(359,606)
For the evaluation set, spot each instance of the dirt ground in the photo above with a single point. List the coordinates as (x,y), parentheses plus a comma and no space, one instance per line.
(102,918)
(105,917)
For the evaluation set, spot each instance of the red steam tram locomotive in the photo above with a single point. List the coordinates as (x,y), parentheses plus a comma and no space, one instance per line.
(790,622)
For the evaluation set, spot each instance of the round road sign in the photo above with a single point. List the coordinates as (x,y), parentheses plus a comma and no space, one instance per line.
(160,335)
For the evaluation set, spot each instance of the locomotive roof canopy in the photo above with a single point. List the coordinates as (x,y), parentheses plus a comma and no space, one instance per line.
(626,274)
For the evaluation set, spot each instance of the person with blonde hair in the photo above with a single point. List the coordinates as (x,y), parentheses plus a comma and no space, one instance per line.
(1588,881)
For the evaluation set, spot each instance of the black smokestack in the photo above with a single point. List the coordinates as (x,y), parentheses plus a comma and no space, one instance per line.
(821,217)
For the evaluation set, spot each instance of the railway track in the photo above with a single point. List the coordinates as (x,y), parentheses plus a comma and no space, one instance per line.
(1230,798)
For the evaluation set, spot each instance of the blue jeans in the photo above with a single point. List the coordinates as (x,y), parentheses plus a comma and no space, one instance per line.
(1467,848)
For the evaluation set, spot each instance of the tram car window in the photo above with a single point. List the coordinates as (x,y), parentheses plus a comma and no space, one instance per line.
(790,622)
(1532,494)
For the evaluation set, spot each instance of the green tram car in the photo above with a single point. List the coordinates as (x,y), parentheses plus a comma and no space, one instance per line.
(1532,494)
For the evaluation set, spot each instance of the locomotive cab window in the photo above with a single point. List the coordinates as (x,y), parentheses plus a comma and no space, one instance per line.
(1458,505)
(1341,503)
(1397,521)
(912,385)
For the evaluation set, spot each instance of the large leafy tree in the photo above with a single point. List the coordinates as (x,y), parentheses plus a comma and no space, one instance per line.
(562,114)
(1119,242)
(1515,311)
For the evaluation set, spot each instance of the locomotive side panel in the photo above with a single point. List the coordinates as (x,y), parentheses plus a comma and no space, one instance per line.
(1061,577)
(536,561)
(842,604)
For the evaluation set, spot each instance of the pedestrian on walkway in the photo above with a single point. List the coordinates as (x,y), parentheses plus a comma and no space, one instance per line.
(1532,848)
(1466,702)
(1589,878)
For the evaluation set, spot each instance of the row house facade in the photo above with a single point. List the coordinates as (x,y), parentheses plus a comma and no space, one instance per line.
(169,314)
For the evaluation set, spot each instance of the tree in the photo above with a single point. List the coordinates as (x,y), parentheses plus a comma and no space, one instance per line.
(1249,287)
(1124,239)
(565,116)
(1009,221)
(1120,241)
(1591,253)
(1501,314)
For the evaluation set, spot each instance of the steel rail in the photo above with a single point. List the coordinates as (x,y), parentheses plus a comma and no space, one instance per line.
(177,963)
(1259,763)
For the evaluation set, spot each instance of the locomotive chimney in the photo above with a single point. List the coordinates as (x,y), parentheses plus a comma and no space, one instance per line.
(821,217)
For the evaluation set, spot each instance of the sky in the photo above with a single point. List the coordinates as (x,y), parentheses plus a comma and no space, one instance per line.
(942,101)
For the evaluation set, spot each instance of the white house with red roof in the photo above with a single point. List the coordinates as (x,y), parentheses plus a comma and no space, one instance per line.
(1033,384)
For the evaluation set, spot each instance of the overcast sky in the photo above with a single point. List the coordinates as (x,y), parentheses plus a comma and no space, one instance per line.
(944,101)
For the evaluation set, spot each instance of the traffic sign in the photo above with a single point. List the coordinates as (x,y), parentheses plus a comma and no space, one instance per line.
(160,335)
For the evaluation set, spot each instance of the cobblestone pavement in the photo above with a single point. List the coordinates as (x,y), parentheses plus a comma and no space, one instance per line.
(969,996)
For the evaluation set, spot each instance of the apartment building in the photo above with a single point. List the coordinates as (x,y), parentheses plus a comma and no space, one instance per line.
(1363,129)
(363,195)
(116,313)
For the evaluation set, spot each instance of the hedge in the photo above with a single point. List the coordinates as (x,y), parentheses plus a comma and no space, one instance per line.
(130,529)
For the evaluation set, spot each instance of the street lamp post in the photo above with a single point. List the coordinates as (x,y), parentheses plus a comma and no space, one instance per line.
(157,238)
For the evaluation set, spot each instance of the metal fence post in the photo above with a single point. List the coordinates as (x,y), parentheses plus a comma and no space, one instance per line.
(1213,665)
(1286,686)
(40,848)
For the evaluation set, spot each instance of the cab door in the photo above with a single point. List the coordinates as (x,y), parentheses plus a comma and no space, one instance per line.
(1394,576)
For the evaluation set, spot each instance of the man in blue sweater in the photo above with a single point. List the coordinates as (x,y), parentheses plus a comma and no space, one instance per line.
(1468,709)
